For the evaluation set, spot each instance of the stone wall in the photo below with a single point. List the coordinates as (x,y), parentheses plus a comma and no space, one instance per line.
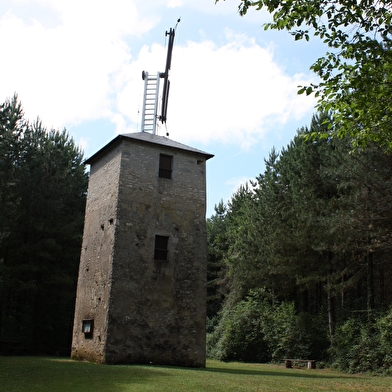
(156,310)
(159,316)
(95,269)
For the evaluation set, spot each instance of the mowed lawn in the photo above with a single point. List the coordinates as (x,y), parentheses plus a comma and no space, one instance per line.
(41,374)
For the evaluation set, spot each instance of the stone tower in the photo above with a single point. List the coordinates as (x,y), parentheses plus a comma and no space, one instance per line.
(141,294)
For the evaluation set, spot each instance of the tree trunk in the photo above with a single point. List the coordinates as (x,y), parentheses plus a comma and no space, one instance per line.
(1,312)
(331,307)
(370,282)
(331,312)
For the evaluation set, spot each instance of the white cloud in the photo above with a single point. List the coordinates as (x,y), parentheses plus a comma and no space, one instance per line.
(237,182)
(233,93)
(65,73)
(174,3)
(83,67)
(82,143)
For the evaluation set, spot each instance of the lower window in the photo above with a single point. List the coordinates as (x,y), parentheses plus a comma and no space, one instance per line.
(161,247)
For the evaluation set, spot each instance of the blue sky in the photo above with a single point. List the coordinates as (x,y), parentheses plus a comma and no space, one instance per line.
(77,65)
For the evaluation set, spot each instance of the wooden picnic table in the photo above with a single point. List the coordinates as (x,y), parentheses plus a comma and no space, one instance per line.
(311,363)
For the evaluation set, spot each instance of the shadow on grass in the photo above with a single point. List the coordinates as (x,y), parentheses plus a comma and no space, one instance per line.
(43,374)
(262,370)
(297,373)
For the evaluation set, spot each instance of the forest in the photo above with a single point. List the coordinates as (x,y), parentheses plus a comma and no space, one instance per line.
(299,258)
(43,186)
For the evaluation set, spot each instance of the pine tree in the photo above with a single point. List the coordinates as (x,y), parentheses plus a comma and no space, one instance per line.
(44,205)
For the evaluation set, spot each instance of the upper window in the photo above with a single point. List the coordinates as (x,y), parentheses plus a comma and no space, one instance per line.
(161,247)
(165,166)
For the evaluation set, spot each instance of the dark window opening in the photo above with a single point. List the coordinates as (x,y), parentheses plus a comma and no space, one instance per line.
(165,166)
(161,247)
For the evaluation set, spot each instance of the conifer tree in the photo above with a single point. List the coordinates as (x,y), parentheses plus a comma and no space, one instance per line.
(43,201)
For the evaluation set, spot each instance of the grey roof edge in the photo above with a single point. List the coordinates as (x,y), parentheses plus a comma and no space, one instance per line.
(146,137)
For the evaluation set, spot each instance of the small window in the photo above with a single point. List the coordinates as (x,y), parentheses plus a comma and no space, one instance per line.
(87,328)
(161,247)
(165,166)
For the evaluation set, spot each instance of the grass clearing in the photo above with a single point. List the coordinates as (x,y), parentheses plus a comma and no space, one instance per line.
(44,374)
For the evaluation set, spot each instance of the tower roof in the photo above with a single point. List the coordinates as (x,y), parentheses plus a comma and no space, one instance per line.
(146,137)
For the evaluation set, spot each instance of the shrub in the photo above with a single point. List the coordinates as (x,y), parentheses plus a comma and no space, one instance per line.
(364,346)
(258,329)
(239,335)
(293,335)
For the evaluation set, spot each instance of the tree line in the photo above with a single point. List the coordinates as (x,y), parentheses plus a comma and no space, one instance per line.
(298,259)
(301,252)
(354,75)
(43,186)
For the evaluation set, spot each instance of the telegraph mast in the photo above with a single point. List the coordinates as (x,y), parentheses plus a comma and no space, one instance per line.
(150,114)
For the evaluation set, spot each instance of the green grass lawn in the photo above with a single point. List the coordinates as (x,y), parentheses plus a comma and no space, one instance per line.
(41,374)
